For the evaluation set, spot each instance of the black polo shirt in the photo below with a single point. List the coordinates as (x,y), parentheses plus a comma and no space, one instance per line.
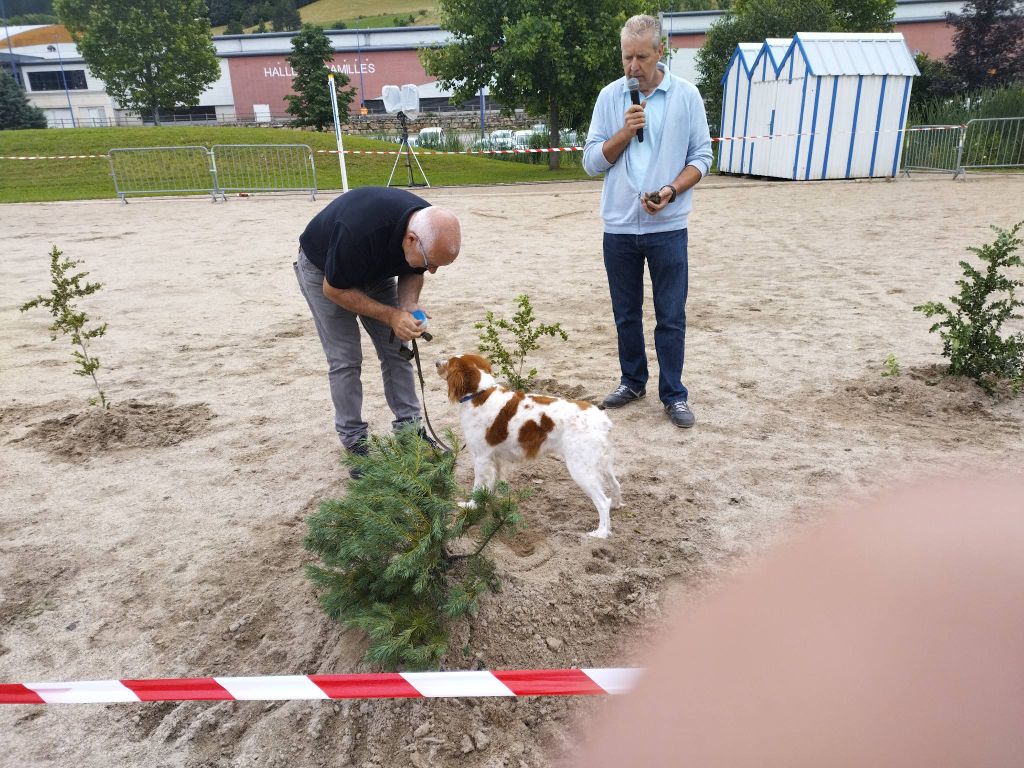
(357,239)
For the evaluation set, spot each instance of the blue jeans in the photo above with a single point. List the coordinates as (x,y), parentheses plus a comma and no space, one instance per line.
(665,254)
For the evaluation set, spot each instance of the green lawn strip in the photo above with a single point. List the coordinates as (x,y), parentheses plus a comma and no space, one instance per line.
(47,180)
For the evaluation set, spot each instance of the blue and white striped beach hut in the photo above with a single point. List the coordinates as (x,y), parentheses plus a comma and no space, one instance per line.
(760,107)
(737,90)
(834,105)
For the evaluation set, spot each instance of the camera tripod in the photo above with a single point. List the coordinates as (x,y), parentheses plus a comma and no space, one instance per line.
(410,155)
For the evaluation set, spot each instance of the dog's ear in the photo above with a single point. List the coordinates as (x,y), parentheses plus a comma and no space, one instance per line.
(463,378)
(478,362)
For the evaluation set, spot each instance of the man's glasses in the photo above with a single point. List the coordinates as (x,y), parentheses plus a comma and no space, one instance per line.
(423,253)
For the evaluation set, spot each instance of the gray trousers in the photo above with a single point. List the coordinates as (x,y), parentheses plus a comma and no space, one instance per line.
(339,334)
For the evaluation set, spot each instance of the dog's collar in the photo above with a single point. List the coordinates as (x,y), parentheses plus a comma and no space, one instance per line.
(467,398)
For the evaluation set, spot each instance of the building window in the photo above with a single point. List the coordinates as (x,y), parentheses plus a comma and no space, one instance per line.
(183,115)
(52,81)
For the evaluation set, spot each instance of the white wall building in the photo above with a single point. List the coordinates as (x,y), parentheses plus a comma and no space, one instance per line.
(46,69)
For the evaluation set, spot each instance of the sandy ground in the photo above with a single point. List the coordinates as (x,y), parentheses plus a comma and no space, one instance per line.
(167,541)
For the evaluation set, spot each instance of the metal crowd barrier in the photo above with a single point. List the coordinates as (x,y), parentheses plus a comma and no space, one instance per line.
(992,143)
(932,148)
(265,168)
(217,171)
(154,170)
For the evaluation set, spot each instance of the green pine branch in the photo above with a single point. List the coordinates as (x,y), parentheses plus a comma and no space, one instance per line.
(386,549)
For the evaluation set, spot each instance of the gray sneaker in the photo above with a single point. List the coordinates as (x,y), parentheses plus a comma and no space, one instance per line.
(680,414)
(622,395)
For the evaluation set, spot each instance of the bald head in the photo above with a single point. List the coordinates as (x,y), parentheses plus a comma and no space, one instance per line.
(438,233)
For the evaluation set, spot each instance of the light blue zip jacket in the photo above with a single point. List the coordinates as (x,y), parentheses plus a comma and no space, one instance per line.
(683,140)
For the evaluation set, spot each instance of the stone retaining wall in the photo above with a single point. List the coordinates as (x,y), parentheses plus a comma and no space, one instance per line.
(450,121)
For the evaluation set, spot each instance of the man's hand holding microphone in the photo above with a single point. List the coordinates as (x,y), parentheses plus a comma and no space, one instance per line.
(635,117)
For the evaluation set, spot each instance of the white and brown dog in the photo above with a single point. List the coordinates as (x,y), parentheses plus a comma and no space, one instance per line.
(504,428)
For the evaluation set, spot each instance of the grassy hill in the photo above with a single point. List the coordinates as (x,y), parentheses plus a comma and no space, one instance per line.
(368,13)
(365,14)
(42,180)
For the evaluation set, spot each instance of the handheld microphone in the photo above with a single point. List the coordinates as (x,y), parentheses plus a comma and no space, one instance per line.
(634,95)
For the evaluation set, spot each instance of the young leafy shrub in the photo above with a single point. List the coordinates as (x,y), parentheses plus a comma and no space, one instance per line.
(525,331)
(68,320)
(395,561)
(892,366)
(971,333)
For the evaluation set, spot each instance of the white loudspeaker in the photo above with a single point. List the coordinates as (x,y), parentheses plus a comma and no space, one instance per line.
(392,97)
(410,100)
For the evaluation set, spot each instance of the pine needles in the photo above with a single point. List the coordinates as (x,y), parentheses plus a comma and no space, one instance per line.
(397,558)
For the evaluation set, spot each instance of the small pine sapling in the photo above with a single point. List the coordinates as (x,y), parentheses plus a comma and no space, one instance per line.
(397,562)
(68,320)
(971,333)
(510,361)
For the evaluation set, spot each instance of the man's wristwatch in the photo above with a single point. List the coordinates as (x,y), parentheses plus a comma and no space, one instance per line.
(673,198)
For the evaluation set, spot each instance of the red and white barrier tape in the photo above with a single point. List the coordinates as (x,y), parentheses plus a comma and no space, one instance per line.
(392,685)
(518,151)
(839,133)
(51,157)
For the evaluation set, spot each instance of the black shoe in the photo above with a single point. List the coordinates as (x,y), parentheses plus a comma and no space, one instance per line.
(359,448)
(421,433)
(680,414)
(622,395)
(427,439)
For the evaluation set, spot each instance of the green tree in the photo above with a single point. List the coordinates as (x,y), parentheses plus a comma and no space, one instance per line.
(863,15)
(549,56)
(285,16)
(699,5)
(234,28)
(397,562)
(754,20)
(311,102)
(936,82)
(988,44)
(152,54)
(15,109)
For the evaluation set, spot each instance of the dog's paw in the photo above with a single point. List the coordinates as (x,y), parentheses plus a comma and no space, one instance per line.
(469,504)
(601,533)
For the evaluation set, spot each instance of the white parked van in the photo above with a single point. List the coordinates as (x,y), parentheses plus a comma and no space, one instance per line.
(431,136)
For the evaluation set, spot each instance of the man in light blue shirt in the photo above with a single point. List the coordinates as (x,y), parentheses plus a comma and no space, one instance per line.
(645,202)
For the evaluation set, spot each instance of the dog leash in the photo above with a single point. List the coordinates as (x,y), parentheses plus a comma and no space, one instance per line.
(404,352)
(423,399)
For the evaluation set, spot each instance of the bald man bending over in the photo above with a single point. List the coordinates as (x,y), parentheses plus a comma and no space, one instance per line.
(362,258)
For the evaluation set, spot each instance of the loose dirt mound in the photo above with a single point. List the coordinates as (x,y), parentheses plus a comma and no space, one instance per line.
(131,424)
(558,389)
(924,392)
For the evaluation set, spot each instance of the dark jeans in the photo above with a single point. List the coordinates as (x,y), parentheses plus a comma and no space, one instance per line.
(665,254)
